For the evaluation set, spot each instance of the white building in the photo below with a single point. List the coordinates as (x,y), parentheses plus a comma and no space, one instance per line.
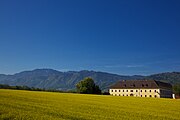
(141,88)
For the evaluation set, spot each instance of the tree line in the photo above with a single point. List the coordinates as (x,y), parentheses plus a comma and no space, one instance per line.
(5,86)
(85,86)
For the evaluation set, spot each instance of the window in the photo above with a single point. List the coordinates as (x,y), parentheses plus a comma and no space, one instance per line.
(141,95)
(146,85)
(150,96)
(136,90)
(145,95)
(119,90)
(123,94)
(141,90)
(149,90)
(131,90)
(142,85)
(126,90)
(154,90)
(155,96)
(126,95)
(145,91)
(115,90)
(111,90)
(124,85)
(123,90)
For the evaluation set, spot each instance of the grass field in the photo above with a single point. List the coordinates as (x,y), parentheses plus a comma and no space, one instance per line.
(29,105)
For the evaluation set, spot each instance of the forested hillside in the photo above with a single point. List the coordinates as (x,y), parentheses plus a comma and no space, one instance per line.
(53,79)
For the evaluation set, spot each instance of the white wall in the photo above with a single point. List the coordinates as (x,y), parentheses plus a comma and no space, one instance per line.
(135,92)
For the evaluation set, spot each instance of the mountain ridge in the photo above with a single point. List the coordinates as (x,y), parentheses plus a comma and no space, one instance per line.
(54,79)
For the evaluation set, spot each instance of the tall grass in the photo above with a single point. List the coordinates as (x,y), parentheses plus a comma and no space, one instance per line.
(30,105)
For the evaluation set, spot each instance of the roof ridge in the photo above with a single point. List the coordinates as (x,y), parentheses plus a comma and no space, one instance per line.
(141,84)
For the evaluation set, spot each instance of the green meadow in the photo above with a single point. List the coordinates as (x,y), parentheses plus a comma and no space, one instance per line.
(31,105)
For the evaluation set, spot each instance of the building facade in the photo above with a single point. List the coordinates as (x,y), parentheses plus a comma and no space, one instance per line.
(141,88)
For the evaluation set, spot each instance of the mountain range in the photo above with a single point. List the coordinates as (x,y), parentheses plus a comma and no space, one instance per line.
(53,79)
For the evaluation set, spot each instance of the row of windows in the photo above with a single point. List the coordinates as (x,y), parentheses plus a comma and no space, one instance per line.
(133,85)
(136,95)
(132,90)
(148,96)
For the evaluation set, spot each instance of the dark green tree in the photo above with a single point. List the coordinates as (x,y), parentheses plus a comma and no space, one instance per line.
(176,89)
(87,86)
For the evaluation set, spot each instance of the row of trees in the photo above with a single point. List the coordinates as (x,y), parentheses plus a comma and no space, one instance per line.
(4,86)
(86,86)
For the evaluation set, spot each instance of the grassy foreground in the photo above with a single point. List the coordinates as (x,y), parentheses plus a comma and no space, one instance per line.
(30,105)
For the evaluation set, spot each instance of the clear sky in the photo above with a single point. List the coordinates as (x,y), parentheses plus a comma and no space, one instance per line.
(117,36)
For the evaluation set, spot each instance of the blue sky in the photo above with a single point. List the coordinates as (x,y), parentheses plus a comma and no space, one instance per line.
(118,36)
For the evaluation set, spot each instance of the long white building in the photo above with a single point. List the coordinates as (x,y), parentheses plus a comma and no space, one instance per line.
(141,88)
